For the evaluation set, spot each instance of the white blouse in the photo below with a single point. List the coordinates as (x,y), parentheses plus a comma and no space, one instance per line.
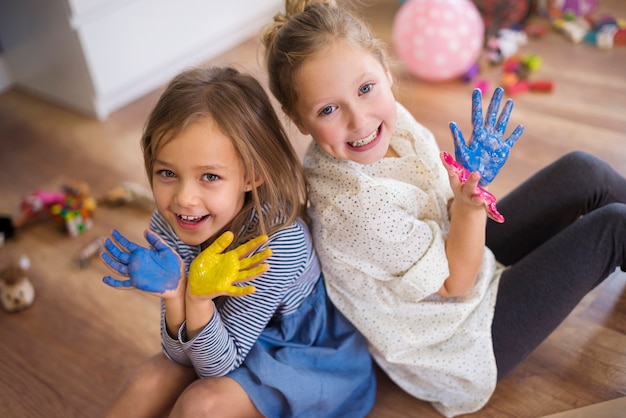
(380,231)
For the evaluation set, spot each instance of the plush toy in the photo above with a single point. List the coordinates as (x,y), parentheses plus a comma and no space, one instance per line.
(16,290)
(129,194)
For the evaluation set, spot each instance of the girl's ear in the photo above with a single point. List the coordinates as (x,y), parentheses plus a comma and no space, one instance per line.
(296,122)
(257,182)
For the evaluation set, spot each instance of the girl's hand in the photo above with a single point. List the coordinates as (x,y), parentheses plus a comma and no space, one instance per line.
(477,194)
(157,269)
(214,273)
(487,150)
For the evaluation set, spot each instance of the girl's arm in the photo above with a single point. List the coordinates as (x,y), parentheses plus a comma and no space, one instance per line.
(466,238)
(213,273)
(218,334)
(174,314)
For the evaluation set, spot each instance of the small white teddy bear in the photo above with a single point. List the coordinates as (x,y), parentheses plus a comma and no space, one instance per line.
(16,290)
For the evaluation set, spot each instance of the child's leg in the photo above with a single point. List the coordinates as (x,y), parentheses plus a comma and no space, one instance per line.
(152,389)
(549,201)
(538,292)
(215,397)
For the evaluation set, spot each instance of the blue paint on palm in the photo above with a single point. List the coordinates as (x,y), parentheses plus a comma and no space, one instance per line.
(157,269)
(487,151)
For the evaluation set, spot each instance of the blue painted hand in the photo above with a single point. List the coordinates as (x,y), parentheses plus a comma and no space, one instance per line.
(157,269)
(487,150)
(214,272)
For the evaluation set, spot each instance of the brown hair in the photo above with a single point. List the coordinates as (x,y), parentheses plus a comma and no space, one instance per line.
(307,28)
(241,108)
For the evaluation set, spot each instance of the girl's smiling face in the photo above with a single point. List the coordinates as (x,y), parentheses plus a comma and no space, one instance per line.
(199,183)
(346,104)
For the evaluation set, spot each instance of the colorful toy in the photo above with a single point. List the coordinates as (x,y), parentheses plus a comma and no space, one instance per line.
(71,207)
(438,39)
(516,71)
(558,8)
(505,44)
(16,291)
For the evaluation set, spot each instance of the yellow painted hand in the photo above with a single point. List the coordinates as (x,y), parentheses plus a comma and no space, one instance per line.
(214,272)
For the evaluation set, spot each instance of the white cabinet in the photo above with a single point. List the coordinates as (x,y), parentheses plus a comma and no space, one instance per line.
(98,55)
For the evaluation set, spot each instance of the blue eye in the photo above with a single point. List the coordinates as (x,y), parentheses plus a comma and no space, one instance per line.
(366,88)
(210,177)
(166,173)
(328,110)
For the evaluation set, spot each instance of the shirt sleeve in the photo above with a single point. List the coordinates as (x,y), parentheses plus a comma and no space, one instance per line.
(172,348)
(223,344)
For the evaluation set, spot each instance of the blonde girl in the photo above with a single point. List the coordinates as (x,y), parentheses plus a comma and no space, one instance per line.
(448,301)
(263,341)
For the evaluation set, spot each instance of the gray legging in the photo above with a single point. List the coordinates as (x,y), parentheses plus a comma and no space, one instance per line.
(565,232)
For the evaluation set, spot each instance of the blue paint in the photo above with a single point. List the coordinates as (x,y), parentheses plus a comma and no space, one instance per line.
(157,269)
(487,151)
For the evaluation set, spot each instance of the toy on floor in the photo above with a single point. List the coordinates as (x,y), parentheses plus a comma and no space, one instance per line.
(504,44)
(16,290)
(71,207)
(89,252)
(7,229)
(129,194)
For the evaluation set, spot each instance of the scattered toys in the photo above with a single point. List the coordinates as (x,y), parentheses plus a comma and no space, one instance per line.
(516,75)
(574,20)
(71,207)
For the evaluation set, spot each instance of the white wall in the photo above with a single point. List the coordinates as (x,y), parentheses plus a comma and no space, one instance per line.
(95,56)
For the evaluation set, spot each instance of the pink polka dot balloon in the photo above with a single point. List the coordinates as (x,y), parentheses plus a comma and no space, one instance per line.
(438,39)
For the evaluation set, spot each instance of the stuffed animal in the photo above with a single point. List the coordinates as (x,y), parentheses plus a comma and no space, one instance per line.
(16,290)
(130,194)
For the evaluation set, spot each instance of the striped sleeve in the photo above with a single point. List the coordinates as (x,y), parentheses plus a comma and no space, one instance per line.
(225,341)
(172,348)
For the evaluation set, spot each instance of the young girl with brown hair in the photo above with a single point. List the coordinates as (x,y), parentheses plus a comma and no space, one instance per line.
(244,338)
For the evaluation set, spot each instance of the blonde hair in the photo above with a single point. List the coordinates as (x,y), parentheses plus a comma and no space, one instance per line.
(241,108)
(305,29)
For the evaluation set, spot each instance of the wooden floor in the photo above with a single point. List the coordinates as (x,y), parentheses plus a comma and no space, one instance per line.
(67,354)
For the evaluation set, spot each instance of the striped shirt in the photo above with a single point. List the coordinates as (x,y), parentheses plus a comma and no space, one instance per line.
(222,345)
